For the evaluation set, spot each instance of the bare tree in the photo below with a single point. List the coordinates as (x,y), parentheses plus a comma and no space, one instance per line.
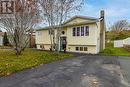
(120,26)
(56,12)
(21,23)
(48,10)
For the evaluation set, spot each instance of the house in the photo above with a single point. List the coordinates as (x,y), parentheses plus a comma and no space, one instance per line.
(122,43)
(82,34)
(1,37)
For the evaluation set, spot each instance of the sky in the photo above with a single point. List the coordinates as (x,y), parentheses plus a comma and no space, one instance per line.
(114,10)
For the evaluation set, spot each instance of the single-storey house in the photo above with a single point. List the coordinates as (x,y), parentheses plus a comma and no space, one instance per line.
(82,34)
(122,43)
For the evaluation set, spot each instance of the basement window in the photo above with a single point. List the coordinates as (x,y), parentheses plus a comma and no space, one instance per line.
(77,48)
(81,48)
(85,48)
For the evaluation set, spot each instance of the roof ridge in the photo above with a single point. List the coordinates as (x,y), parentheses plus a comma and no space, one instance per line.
(85,16)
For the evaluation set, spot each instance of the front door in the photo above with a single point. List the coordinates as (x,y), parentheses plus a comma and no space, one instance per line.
(63,43)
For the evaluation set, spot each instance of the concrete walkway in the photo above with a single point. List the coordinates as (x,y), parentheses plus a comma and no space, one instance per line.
(82,71)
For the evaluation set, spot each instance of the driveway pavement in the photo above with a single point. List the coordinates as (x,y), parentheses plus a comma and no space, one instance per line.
(125,64)
(81,71)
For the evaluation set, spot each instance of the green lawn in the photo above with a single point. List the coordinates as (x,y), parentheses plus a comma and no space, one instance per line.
(5,47)
(111,51)
(10,63)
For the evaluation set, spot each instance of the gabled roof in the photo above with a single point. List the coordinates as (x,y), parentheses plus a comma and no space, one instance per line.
(81,23)
(89,20)
(82,17)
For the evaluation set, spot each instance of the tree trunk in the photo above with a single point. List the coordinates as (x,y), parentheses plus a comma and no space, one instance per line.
(58,41)
(18,51)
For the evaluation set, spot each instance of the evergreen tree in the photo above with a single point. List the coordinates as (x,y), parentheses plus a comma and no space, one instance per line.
(5,39)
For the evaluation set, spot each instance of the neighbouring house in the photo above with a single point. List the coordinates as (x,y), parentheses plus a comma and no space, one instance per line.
(121,43)
(1,37)
(82,34)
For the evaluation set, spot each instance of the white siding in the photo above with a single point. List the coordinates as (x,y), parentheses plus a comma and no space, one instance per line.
(127,41)
(118,43)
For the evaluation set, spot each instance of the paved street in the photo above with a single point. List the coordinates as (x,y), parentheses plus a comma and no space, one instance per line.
(82,71)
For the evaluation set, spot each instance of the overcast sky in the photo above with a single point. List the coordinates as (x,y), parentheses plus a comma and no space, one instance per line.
(114,9)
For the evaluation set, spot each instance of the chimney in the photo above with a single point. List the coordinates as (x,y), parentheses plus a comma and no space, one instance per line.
(102,13)
(102,30)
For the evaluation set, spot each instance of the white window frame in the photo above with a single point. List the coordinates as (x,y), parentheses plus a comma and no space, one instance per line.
(83,33)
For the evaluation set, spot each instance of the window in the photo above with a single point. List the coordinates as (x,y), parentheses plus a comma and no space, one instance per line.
(86,31)
(82,31)
(40,46)
(78,31)
(63,32)
(85,49)
(51,32)
(77,48)
(81,48)
(74,31)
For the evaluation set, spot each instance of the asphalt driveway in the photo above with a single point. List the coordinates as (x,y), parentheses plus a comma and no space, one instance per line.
(81,71)
(125,64)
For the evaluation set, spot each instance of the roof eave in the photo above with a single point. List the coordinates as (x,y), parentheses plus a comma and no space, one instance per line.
(69,25)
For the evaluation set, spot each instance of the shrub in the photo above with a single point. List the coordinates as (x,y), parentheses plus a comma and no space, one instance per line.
(5,40)
(127,47)
(107,51)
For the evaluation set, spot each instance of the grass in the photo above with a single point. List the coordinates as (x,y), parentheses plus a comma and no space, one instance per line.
(10,63)
(5,47)
(111,51)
